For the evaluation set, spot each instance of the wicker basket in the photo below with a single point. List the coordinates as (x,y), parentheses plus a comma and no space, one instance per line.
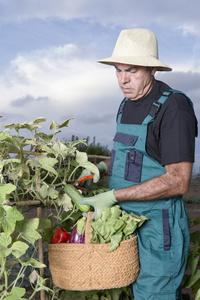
(82,267)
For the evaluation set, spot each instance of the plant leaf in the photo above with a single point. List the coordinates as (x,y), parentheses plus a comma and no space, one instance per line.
(82,160)
(43,192)
(45,137)
(31,262)
(196,221)
(57,126)
(23,171)
(19,248)
(34,163)
(27,229)
(47,191)
(44,223)
(195,237)
(5,241)
(115,241)
(8,217)
(43,160)
(47,163)
(197,297)
(38,120)
(81,157)
(5,136)
(16,294)
(33,276)
(193,278)
(52,193)
(60,148)
(65,201)
(41,282)
(194,264)
(5,190)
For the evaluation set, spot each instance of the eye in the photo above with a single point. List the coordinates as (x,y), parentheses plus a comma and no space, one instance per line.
(133,71)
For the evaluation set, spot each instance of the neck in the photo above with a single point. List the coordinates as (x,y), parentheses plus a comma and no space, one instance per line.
(151,85)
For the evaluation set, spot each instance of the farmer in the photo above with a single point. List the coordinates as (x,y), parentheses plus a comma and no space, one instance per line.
(151,164)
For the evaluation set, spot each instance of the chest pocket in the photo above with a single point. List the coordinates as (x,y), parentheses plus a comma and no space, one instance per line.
(133,159)
(126,139)
(133,167)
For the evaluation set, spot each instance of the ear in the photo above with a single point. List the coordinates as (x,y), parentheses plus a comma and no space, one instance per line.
(153,71)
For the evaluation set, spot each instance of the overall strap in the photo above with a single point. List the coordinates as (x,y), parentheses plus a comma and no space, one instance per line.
(121,108)
(156,106)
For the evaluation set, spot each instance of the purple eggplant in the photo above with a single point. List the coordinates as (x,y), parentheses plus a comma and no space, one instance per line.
(78,232)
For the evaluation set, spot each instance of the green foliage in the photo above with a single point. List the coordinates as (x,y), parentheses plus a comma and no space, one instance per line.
(192,280)
(114,226)
(91,148)
(35,169)
(113,294)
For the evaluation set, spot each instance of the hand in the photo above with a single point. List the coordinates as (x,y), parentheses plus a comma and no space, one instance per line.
(86,183)
(100,202)
(102,170)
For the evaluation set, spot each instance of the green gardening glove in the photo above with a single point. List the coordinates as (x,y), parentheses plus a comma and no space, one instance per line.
(86,183)
(100,202)
(102,170)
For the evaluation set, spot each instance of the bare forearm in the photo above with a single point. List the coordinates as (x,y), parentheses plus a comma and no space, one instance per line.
(153,189)
(174,182)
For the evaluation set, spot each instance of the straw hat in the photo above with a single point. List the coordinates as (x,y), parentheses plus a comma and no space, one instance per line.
(136,47)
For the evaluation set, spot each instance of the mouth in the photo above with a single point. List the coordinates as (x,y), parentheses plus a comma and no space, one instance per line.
(126,90)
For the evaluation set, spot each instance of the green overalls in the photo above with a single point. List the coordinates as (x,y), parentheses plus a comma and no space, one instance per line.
(163,240)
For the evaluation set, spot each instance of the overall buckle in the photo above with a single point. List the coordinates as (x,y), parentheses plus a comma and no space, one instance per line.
(156,106)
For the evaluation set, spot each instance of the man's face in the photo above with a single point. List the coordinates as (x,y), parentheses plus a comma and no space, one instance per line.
(135,81)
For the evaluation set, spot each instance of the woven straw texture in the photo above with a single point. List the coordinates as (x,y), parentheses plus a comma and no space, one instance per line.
(90,267)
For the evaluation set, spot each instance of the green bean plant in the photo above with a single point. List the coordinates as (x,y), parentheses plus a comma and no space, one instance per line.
(192,276)
(33,169)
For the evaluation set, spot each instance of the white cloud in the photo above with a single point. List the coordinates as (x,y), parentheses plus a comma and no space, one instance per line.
(59,73)
(59,83)
(189,29)
(179,13)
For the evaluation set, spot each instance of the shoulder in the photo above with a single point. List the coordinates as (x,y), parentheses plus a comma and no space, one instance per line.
(159,88)
(176,112)
(176,101)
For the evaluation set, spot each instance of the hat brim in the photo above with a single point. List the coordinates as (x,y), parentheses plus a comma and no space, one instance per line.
(136,61)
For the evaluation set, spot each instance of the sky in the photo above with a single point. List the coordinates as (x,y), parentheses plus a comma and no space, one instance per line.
(49,51)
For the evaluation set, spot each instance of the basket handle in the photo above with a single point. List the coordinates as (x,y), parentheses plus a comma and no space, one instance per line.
(88,228)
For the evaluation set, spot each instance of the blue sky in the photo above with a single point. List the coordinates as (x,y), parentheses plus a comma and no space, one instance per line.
(49,51)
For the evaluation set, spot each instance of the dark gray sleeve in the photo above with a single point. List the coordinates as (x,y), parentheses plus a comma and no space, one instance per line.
(177,132)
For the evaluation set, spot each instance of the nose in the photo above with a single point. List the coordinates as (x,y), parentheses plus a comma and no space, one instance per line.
(125,77)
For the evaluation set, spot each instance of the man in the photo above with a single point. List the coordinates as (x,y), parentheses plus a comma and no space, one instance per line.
(151,164)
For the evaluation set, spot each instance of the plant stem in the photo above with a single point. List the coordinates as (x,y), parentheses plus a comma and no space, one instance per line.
(73,210)
(34,292)
(72,173)
(6,281)
(3,263)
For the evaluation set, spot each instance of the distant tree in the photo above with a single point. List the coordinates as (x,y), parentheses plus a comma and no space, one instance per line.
(92,148)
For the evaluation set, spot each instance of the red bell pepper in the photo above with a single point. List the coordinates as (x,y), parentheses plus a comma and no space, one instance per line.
(61,235)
